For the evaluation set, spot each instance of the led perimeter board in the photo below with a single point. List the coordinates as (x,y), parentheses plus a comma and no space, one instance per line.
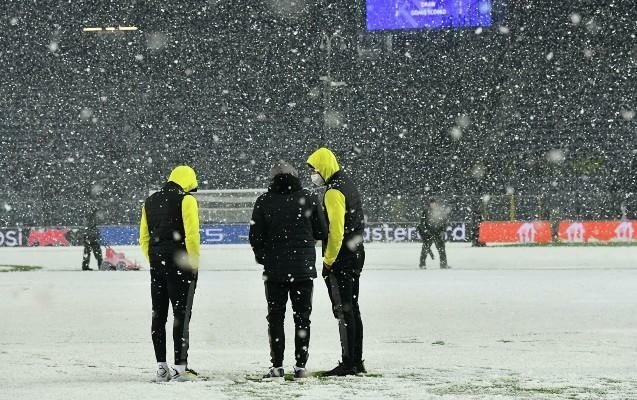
(388,15)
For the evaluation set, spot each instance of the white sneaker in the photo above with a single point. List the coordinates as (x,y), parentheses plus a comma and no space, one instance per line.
(163,374)
(274,373)
(187,376)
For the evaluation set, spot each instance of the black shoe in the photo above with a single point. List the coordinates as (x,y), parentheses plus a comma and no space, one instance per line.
(87,269)
(340,370)
(359,367)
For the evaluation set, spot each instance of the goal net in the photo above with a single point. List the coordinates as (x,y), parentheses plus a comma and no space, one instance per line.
(226,206)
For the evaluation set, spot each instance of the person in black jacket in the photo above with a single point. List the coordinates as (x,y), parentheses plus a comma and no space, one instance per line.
(286,222)
(476,220)
(425,236)
(433,223)
(91,240)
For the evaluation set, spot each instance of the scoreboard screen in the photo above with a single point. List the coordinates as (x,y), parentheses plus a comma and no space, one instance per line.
(383,15)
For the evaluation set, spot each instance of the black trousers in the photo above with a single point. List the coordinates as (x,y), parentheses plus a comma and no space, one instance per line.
(343,288)
(434,238)
(94,246)
(169,284)
(276,294)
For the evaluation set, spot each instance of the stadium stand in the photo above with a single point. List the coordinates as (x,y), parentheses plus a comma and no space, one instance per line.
(539,106)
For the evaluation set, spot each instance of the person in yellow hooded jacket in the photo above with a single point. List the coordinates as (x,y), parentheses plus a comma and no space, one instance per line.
(343,255)
(169,238)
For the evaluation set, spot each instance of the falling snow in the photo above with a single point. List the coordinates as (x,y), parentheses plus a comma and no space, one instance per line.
(523,110)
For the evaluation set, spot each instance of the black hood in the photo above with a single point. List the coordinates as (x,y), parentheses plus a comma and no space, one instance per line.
(285,184)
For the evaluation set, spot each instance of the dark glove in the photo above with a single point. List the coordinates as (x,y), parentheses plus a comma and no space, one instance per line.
(326,271)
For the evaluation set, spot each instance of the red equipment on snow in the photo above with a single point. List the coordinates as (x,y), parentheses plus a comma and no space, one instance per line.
(114,260)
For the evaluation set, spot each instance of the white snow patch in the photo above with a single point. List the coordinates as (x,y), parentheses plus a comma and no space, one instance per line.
(533,323)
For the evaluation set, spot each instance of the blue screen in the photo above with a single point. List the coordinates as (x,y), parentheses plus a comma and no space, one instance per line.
(423,14)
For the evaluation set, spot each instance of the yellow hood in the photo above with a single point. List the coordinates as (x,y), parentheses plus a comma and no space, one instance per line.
(324,161)
(185,177)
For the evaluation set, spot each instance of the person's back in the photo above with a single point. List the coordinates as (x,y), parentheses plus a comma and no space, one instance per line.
(165,222)
(285,228)
(286,222)
(169,238)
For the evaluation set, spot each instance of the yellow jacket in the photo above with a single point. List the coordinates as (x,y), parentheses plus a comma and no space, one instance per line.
(186,178)
(324,161)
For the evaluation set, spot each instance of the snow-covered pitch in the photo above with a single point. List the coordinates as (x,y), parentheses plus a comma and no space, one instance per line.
(532,323)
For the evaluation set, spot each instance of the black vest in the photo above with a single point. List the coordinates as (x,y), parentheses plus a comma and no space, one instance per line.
(354,216)
(165,222)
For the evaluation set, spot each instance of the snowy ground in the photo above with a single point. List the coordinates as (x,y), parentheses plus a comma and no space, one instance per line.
(536,323)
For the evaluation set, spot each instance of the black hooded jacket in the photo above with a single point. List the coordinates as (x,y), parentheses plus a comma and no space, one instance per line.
(286,222)
(91,232)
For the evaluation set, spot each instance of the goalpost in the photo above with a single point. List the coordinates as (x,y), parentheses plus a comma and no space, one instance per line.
(226,206)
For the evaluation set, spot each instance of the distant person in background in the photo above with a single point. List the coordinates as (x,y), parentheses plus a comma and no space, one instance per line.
(433,223)
(286,222)
(91,240)
(425,236)
(623,212)
(476,220)
(169,238)
(343,255)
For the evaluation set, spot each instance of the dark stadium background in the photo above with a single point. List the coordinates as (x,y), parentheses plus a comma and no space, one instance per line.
(536,107)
